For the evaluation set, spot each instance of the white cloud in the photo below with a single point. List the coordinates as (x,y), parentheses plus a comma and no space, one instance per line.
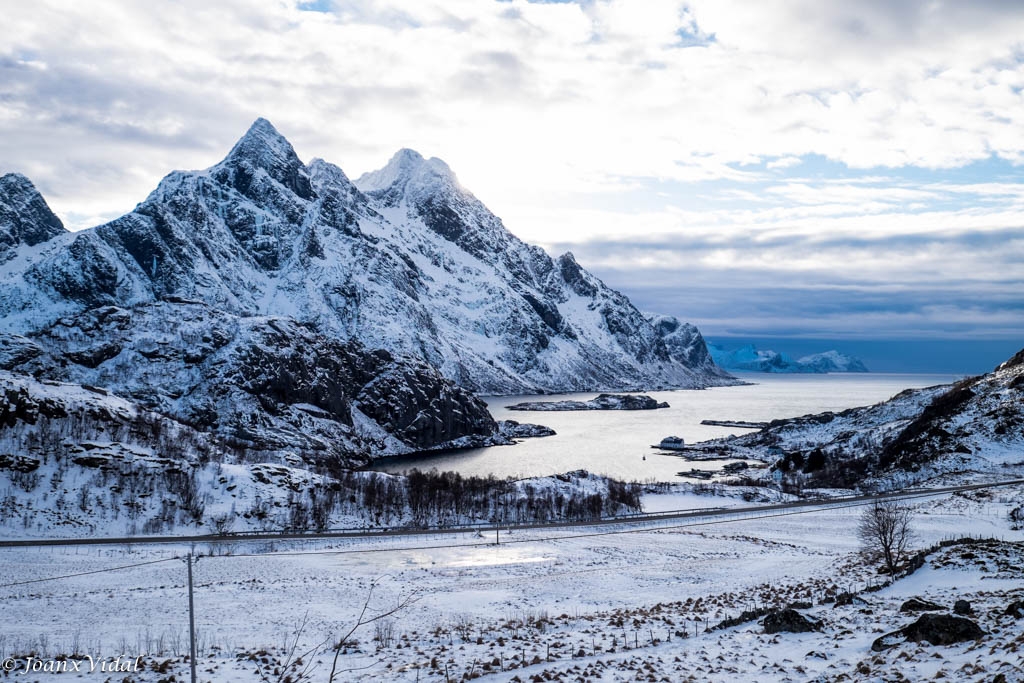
(558,115)
(518,94)
(784,162)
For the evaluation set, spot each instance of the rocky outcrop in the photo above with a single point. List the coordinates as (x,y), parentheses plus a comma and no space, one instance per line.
(962,608)
(937,629)
(264,383)
(788,621)
(601,402)
(517,430)
(684,342)
(25,217)
(920,605)
(414,403)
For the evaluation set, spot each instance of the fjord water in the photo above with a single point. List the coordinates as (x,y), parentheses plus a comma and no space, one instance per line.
(618,443)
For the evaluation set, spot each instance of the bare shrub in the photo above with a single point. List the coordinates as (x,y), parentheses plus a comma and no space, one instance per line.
(884,529)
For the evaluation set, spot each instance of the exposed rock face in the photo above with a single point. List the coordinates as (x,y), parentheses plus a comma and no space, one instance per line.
(421,408)
(788,621)
(25,218)
(17,404)
(267,383)
(16,350)
(684,342)
(409,261)
(602,402)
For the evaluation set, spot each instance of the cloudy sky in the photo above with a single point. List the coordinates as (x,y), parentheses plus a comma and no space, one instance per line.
(768,169)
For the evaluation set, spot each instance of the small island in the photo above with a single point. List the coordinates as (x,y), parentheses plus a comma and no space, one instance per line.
(602,402)
(516,430)
(743,424)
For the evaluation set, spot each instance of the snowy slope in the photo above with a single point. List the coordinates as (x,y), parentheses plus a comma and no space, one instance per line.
(412,263)
(968,430)
(77,459)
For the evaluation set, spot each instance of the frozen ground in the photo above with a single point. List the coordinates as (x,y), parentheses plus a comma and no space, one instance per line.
(585,604)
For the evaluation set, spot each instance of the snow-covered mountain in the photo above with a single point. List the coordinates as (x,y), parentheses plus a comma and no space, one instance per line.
(685,344)
(973,428)
(832,361)
(405,260)
(751,359)
(24,216)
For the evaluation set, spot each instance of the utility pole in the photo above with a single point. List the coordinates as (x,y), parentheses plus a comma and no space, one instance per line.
(191,621)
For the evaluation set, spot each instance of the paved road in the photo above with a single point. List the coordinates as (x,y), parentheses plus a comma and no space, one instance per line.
(377,533)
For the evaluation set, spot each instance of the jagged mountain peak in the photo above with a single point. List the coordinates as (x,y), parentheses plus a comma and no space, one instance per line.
(683,340)
(399,168)
(318,167)
(264,145)
(25,217)
(408,174)
(11,182)
(264,148)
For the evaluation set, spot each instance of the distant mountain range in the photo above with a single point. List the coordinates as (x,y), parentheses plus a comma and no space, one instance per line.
(751,359)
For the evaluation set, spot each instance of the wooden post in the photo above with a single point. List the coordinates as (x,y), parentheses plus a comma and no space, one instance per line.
(191,622)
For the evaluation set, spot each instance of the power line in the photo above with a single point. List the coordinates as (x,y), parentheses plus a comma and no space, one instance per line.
(547,539)
(711,522)
(95,571)
(306,535)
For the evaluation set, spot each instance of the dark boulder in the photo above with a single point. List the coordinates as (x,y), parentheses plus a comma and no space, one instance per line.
(937,629)
(789,621)
(920,605)
(963,608)
(942,629)
(1015,609)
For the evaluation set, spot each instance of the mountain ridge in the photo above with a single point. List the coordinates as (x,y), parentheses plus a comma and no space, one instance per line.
(419,267)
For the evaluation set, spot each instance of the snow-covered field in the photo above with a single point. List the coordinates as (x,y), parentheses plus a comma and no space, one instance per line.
(576,604)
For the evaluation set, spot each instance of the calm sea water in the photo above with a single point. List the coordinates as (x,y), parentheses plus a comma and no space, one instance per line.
(618,443)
